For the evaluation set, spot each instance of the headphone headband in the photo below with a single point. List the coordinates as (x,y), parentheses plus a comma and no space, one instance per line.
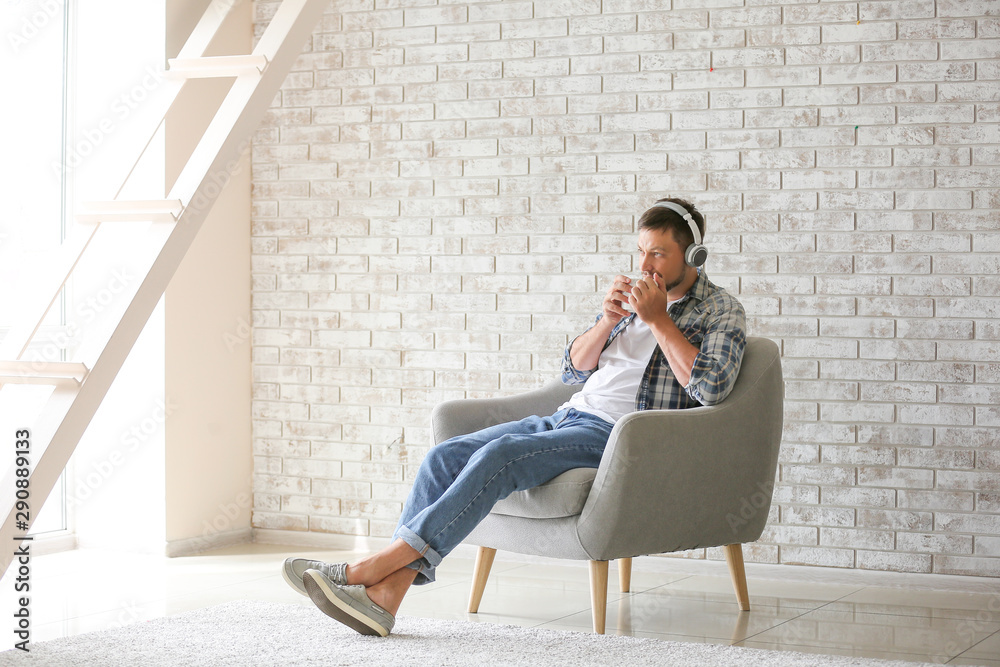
(696,253)
(684,213)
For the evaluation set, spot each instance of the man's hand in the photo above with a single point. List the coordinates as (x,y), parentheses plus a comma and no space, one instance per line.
(615,299)
(587,348)
(648,299)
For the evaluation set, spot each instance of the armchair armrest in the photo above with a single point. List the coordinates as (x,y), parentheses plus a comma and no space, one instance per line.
(672,480)
(469,415)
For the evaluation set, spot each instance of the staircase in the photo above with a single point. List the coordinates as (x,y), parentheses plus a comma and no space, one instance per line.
(78,386)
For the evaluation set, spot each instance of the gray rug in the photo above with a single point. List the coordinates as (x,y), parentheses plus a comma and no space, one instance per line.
(245,633)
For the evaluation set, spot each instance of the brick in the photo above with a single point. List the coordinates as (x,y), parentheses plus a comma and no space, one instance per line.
(934,543)
(937,71)
(967,523)
(899,51)
(859,497)
(822,516)
(896,10)
(821,96)
(679,61)
(945,157)
(748,57)
(821,348)
(935,458)
(933,286)
(821,14)
(867,115)
(781,201)
(934,200)
(894,519)
(865,369)
(935,500)
(947,28)
(856,539)
(921,436)
(824,556)
(901,93)
(742,99)
(700,78)
(940,113)
(977,49)
(893,562)
(934,329)
(895,221)
(896,477)
(774,35)
(841,136)
(818,179)
(784,76)
(825,54)
(709,39)
(870,285)
(864,32)
(604,64)
(782,118)
(776,159)
(914,350)
(943,372)
(863,73)
(936,414)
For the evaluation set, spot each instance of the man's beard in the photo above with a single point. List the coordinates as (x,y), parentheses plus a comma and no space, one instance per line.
(671,285)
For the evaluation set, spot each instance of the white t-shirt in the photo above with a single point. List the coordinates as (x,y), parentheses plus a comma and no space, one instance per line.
(610,392)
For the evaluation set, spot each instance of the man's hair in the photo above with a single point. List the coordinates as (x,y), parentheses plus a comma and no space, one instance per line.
(660,218)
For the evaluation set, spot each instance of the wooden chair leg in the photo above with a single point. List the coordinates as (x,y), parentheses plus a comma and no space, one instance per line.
(734,557)
(625,574)
(484,561)
(599,593)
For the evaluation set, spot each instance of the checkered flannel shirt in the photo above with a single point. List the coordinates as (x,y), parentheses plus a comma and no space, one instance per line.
(713,321)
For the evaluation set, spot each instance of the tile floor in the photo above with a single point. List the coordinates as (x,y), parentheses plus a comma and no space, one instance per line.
(87,590)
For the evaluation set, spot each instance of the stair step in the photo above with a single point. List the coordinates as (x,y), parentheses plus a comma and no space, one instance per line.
(42,372)
(153,210)
(216,66)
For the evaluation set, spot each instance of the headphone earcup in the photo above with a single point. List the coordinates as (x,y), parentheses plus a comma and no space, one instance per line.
(695,255)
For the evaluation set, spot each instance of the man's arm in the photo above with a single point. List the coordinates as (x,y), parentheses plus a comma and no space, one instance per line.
(707,372)
(584,351)
(721,355)
(680,353)
(649,299)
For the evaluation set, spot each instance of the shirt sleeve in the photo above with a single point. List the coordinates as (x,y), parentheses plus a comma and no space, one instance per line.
(718,362)
(570,373)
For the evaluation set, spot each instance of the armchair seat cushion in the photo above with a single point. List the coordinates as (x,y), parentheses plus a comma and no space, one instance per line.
(561,496)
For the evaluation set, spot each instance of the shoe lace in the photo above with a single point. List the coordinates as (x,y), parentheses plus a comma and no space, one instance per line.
(335,571)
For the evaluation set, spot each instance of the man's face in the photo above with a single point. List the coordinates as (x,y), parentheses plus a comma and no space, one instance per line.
(661,255)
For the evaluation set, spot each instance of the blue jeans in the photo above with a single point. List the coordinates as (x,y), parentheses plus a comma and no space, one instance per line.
(462,478)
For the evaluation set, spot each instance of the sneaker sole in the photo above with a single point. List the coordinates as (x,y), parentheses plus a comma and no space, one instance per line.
(335,608)
(297,585)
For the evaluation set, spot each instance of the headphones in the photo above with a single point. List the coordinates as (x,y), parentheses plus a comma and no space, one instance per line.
(696,253)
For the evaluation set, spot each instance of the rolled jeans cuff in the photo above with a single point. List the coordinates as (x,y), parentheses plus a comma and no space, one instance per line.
(429,559)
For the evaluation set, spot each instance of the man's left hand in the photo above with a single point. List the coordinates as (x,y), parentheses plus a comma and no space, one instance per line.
(649,299)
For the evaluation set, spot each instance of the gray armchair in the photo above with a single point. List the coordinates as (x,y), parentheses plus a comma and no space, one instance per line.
(670,480)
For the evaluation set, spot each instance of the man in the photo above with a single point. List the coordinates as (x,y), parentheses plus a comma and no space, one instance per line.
(681,346)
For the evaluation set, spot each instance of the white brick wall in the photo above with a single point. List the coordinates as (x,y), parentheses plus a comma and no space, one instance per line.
(442,190)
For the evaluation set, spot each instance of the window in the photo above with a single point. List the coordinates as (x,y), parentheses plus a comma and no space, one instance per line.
(33,76)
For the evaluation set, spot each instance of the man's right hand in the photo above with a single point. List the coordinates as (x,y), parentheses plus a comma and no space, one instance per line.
(586,349)
(615,300)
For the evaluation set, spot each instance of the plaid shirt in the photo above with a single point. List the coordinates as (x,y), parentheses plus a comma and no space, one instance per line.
(713,321)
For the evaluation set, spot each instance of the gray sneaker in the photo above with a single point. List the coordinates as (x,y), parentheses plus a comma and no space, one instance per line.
(294,568)
(348,604)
